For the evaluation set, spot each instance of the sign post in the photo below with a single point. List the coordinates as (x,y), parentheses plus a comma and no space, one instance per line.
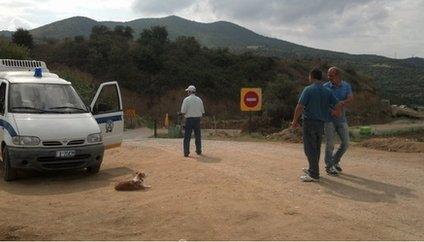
(250,101)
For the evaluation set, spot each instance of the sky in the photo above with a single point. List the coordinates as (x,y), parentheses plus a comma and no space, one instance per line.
(393,28)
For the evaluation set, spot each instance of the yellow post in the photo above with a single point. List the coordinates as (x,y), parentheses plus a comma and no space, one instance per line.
(166,123)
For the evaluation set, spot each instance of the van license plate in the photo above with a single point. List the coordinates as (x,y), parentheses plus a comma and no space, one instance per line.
(65,153)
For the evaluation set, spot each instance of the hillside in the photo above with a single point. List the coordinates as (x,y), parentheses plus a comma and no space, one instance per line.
(66,28)
(6,33)
(218,34)
(401,81)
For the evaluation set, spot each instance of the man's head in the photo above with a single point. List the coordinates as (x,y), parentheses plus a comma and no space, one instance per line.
(334,74)
(315,75)
(191,89)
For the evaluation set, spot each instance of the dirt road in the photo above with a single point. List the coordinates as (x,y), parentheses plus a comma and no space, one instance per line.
(237,190)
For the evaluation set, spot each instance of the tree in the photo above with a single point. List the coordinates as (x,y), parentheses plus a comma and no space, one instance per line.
(156,36)
(74,53)
(100,46)
(124,31)
(22,37)
(189,46)
(150,48)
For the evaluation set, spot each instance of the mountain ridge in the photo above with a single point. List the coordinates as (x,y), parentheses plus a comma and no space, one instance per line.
(85,24)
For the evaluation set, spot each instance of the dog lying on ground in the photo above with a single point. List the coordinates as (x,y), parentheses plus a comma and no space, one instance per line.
(137,183)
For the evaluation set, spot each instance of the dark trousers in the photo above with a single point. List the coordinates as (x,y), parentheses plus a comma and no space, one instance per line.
(312,138)
(190,125)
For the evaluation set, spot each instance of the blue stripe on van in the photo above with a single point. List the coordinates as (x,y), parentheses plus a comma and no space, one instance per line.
(106,119)
(6,125)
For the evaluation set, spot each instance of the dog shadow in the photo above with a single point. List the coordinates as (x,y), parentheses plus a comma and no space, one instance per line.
(365,190)
(62,182)
(146,189)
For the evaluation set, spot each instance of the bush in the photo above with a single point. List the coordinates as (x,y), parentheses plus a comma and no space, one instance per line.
(280,100)
(135,122)
(82,82)
(10,50)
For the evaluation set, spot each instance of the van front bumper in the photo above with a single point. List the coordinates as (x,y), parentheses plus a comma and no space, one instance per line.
(44,159)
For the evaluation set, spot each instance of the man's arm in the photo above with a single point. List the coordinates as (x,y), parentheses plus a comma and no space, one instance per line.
(349,98)
(338,106)
(296,117)
(184,107)
(347,101)
(337,111)
(203,107)
(300,107)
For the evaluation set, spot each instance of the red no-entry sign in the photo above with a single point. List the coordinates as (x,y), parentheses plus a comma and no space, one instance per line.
(251,99)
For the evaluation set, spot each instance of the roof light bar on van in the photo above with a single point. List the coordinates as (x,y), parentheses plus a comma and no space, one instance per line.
(22,65)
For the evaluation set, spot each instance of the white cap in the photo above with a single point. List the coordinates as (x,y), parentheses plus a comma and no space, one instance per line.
(191,88)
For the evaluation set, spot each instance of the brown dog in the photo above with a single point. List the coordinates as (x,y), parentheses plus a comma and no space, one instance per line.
(137,183)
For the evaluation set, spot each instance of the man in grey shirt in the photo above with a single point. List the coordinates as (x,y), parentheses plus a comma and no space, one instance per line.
(192,108)
(343,92)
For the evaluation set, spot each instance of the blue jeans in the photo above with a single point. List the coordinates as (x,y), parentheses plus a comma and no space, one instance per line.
(342,130)
(312,138)
(190,125)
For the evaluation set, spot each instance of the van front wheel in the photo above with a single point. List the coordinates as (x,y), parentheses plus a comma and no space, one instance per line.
(9,173)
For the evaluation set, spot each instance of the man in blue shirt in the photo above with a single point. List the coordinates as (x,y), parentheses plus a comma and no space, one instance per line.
(315,104)
(343,92)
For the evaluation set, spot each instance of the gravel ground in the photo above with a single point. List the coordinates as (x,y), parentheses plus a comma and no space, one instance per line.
(235,191)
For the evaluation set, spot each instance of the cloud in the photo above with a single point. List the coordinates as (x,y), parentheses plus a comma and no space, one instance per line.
(310,18)
(32,13)
(161,7)
(355,26)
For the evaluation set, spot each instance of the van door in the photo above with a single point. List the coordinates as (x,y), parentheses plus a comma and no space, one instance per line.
(2,109)
(106,108)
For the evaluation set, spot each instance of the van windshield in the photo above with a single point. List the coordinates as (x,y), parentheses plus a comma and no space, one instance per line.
(44,98)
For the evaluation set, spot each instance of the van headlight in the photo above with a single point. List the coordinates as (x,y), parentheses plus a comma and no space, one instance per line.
(94,138)
(26,140)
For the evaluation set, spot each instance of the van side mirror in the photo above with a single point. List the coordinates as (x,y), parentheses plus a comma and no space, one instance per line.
(88,108)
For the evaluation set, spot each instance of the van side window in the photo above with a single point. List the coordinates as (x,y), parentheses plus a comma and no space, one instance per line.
(2,97)
(108,100)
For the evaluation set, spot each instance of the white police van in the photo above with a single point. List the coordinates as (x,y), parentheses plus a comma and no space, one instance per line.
(44,124)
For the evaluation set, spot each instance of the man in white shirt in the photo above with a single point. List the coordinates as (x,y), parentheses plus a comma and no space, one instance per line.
(193,110)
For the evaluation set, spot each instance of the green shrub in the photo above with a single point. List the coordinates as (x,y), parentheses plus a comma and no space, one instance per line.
(135,122)
(82,82)
(9,50)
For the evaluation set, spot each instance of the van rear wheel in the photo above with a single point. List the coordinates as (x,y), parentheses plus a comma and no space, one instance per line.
(9,173)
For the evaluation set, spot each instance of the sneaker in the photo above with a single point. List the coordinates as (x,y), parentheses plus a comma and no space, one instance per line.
(331,171)
(338,168)
(305,170)
(307,178)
